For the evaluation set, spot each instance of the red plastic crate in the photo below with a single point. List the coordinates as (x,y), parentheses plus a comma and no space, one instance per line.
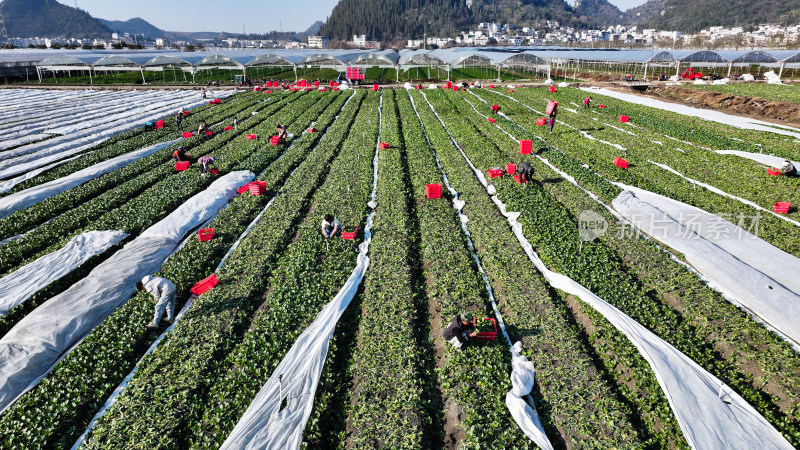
(180,166)
(455,88)
(209,133)
(433,190)
(419,86)
(275,140)
(211,102)
(525,144)
(159,124)
(186,113)
(774,172)
(486,335)
(495,173)
(205,285)
(623,118)
(510,91)
(213,171)
(187,134)
(781,207)
(250,137)
(268,92)
(206,234)
(448,85)
(312,130)
(383,145)
(516,180)
(511,168)
(541,121)
(552,88)
(245,187)
(227,128)
(490,119)
(601,106)
(621,163)
(349,235)
(491,86)
(258,187)
(256,89)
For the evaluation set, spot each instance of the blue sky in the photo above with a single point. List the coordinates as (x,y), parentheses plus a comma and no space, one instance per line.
(226,15)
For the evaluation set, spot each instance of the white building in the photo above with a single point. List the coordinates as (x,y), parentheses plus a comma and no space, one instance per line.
(318,41)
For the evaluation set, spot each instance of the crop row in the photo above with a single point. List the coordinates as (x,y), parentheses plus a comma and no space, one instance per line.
(137,138)
(600,269)
(576,401)
(141,211)
(640,173)
(171,385)
(53,206)
(312,272)
(81,382)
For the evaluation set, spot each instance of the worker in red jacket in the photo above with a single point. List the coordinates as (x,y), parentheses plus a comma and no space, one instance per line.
(495,109)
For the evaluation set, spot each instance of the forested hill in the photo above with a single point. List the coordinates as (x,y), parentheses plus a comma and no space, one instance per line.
(690,16)
(49,18)
(389,20)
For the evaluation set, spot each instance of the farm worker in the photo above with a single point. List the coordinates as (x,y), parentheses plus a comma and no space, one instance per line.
(202,128)
(586,102)
(203,92)
(495,109)
(149,126)
(330,226)
(180,155)
(235,123)
(163,291)
(459,330)
(788,169)
(205,163)
(553,107)
(179,121)
(282,133)
(525,171)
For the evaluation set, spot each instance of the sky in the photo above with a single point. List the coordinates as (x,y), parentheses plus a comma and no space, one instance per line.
(227,15)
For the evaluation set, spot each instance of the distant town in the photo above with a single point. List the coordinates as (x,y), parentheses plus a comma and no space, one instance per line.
(485,34)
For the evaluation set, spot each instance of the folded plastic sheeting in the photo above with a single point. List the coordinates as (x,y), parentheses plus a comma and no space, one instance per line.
(25,198)
(523,376)
(756,275)
(770,160)
(29,279)
(29,349)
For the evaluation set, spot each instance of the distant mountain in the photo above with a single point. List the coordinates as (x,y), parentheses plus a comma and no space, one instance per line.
(313,29)
(693,15)
(49,18)
(598,11)
(135,26)
(388,20)
(642,14)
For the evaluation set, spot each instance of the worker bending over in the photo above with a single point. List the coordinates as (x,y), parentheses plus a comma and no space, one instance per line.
(179,121)
(330,226)
(282,133)
(525,171)
(459,330)
(180,155)
(202,128)
(495,109)
(553,107)
(788,169)
(205,163)
(163,291)
(586,102)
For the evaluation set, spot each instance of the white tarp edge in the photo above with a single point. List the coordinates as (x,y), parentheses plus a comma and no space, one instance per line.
(38,340)
(714,116)
(709,413)
(18,286)
(772,161)
(28,197)
(758,276)
(7,185)
(264,424)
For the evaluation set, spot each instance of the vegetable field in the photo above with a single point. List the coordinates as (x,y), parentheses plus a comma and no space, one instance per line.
(640,337)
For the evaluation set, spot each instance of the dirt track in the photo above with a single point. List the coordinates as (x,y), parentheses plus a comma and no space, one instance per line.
(747,106)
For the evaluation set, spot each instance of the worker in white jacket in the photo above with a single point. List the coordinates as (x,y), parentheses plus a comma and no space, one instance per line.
(163,291)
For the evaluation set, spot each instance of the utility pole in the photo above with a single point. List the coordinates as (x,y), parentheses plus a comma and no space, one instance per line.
(5,42)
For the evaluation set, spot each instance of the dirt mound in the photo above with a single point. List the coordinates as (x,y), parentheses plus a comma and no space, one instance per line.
(749,106)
